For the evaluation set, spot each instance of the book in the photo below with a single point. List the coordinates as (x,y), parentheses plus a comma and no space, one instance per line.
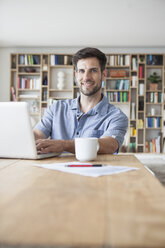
(13,94)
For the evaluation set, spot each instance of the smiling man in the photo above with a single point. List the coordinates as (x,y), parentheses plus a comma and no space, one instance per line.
(90,115)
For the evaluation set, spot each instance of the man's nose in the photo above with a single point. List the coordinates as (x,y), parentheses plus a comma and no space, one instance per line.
(87,75)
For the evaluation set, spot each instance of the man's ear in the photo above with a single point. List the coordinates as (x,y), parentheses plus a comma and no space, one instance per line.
(104,74)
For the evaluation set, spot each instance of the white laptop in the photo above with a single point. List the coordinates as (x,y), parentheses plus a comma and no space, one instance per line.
(16,135)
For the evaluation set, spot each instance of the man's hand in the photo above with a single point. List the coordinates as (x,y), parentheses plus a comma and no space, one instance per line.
(59,146)
(48,145)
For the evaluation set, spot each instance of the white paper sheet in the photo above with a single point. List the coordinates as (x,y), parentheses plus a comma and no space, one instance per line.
(87,171)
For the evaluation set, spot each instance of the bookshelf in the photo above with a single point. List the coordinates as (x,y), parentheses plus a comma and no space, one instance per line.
(41,79)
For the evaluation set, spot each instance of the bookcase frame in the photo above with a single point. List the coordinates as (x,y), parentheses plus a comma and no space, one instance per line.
(137,135)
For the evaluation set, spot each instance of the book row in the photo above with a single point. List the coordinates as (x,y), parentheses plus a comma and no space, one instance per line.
(154,97)
(60,59)
(118,60)
(153,145)
(154,59)
(140,123)
(122,84)
(26,59)
(153,122)
(132,147)
(118,96)
(132,131)
(29,83)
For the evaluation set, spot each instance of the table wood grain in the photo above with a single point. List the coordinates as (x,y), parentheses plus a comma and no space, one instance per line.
(46,208)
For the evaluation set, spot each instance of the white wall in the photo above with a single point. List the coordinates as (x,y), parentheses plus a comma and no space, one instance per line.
(5,60)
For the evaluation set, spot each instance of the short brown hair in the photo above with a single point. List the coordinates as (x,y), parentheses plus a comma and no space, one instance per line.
(90,52)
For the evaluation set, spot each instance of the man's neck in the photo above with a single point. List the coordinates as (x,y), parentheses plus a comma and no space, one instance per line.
(89,102)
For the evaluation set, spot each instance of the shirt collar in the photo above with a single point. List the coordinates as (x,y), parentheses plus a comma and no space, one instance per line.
(101,108)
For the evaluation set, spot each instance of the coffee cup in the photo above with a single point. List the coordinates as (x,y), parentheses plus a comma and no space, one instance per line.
(86,148)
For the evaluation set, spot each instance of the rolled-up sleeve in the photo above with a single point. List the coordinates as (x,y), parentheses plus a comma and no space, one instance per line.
(117,128)
(45,124)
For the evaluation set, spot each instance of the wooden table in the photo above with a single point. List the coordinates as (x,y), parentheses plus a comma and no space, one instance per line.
(46,208)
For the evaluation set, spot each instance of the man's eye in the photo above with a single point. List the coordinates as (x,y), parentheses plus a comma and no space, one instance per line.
(94,70)
(81,71)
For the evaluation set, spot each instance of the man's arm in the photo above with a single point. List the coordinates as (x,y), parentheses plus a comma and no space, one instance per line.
(108,145)
(38,134)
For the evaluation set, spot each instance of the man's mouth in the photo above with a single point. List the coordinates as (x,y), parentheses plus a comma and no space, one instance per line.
(87,84)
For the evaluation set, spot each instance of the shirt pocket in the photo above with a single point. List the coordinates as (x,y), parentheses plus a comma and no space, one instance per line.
(93,133)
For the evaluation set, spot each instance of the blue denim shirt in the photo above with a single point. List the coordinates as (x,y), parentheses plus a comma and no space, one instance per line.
(62,121)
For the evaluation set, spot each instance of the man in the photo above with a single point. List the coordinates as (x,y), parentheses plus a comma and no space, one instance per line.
(89,115)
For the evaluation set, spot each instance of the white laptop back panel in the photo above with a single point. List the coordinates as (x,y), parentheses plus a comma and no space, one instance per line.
(16,135)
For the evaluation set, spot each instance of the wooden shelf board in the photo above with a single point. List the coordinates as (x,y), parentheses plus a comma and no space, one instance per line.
(28,89)
(60,98)
(119,102)
(148,91)
(153,115)
(152,128)
(115,90)
(29,73)
(154,66)
(118,66)
(119,78)
(34,114)
(64,90)
(20,65)
(154,103)
(62,66)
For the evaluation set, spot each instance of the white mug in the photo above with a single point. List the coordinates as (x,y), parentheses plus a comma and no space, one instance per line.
(86,148)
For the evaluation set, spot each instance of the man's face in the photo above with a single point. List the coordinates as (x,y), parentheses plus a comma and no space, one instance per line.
(89,76)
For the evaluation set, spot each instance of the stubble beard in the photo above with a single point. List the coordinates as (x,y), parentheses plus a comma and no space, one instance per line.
(91,92)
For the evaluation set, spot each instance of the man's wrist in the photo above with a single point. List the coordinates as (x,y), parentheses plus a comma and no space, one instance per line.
(68,146)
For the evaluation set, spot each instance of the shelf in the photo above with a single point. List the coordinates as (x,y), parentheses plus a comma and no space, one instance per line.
(113,90)
(60,98)
(131,64)
(62,66)
(34,114)
(64,90)
(154,66)
(119,78)
(35,65)
(153,128)
(155,103)
(28,89)
(29,73)
(117,66)
(119,102)
(27,97)
(154,91)
(153,116)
